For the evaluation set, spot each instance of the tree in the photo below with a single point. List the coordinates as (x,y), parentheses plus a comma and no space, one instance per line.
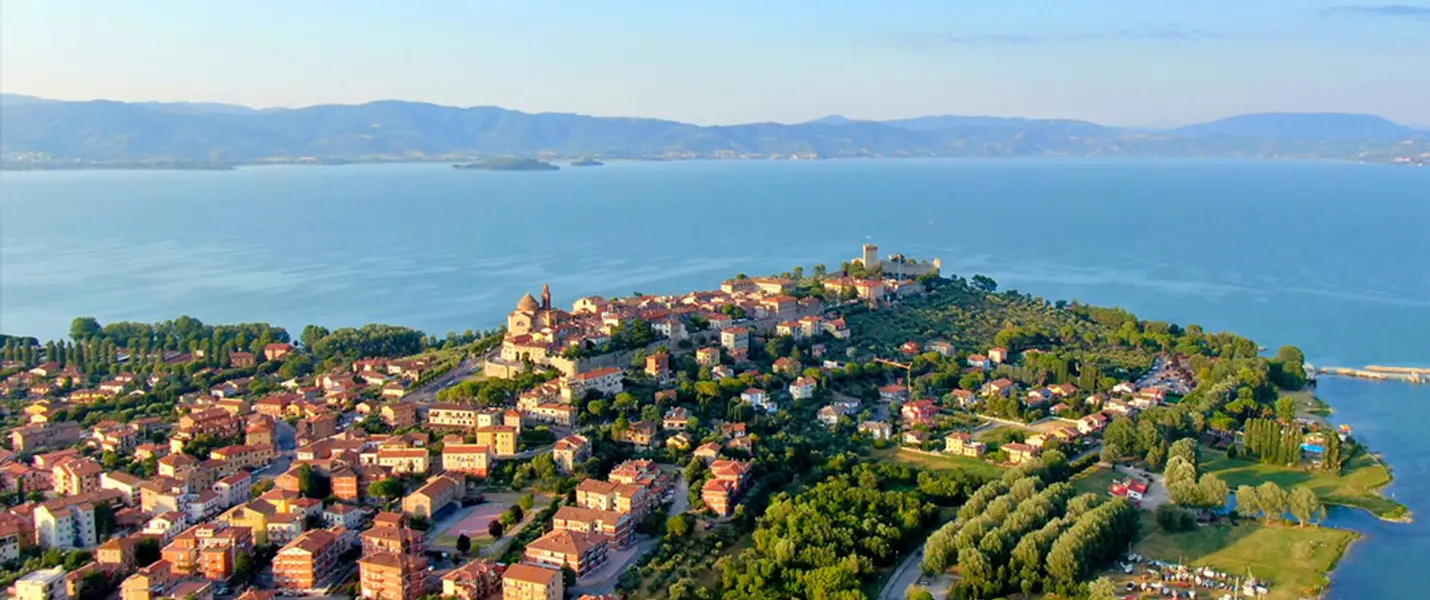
(1272,500)
(1304,505)
(495,529)
(1188,450)
(1247,504)
(464,544)
(1286,409)
(313,483)
(390,488)
(526,501)
(1212,491)
(1101,589)
(677,526)
(83,328)
(146,552)
(985,283)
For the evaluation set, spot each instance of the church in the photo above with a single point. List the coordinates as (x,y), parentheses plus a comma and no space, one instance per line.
(530,317)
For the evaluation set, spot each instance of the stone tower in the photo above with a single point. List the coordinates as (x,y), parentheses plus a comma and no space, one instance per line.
(871,256)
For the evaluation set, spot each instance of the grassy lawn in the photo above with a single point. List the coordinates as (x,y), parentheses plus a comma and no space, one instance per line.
(940,463)
(1095,480)
(1295,560)
(1357,485)
(999,432)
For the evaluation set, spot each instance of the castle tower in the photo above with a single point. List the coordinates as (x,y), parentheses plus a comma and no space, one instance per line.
(871,256)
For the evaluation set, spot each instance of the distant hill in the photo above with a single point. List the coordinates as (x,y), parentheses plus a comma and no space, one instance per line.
(37,131)
(1301,126)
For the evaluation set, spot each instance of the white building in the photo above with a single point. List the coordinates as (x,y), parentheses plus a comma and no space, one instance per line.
(803,388)
(44,584)
(759,399)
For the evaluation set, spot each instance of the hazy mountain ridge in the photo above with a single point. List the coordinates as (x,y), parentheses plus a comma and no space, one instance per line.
(37,129)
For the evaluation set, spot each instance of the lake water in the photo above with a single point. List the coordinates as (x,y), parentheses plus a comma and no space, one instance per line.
(1333,257)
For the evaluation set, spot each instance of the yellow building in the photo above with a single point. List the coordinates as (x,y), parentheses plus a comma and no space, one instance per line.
(44,584)
(500,438)
(530,582)
(434,496)
(473,459)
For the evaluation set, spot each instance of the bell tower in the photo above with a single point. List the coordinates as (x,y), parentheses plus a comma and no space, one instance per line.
(545,296)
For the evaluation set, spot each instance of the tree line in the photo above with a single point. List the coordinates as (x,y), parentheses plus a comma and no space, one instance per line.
(1027,532)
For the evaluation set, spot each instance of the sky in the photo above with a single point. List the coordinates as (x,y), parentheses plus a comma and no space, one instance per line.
(736,61)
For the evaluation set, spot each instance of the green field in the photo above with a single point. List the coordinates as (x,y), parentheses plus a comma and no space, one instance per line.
(940,463)
(1095,480)
(1294,559)
(1357,485)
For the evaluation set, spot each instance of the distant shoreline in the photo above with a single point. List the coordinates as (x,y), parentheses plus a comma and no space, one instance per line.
(450,161)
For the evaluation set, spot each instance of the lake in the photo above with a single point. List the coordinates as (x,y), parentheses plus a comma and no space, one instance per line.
(1329,256)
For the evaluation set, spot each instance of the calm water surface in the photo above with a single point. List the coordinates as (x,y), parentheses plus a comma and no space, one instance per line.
(1333,257)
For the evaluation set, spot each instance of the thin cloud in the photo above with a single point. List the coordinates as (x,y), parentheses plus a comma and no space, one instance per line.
(1170,33)
(1402,11)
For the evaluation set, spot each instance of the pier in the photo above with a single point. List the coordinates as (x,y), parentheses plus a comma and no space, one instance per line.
(1375,373)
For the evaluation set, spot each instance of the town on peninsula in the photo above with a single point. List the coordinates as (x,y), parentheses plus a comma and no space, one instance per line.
(876,429)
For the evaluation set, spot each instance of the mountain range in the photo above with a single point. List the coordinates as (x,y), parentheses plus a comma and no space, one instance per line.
(38,131)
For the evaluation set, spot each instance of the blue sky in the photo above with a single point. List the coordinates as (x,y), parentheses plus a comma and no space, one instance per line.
(1115,62)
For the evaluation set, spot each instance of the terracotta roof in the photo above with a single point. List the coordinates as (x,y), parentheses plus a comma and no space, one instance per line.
(532,574)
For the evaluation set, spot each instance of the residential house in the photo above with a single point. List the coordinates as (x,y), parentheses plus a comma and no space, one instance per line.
(676,419)
(608,381)
(1020,453)
(1091,423)
(803,388)
(580,552)
(308,562)
(388,576)
(476,580)
(962,444)
(919,412)
(570,451)
(500,439)
(641,433)
(531,582)
(708,356)
(615,525)
(998,387)
(728,481)
(979,361)
(893,393)
(878,430)
(998,355)
(471,459)
(759,400)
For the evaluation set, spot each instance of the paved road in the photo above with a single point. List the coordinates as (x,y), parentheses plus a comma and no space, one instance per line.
(907,574)
(681,502)
(428,392)
(604,579)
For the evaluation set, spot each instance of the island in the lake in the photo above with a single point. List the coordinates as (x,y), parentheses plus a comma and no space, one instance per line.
(510,164)
(986,441)
(588,162)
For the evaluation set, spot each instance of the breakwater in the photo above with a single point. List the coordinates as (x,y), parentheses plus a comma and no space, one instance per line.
(1378,373)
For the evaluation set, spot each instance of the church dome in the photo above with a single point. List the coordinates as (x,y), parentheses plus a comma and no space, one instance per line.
(527,304)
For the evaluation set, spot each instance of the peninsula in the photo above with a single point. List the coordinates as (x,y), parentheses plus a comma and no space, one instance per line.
(510,164)
(587,162)
(661,445)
